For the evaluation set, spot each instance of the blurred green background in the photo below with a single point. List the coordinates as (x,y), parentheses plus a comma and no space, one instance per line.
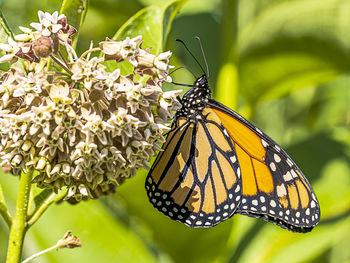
(283,64)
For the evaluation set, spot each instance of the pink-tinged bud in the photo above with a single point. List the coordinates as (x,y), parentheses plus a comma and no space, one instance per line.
(43,46)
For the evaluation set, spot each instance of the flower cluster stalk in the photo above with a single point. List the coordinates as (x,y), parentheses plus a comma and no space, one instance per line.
(19,227)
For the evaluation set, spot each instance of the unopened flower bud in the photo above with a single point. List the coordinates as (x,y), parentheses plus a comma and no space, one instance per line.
(66,168)
(41,164)
(26,146)
(83,190)
(17,159)
(22,37)
(69,241)
(145,59)
(43,46)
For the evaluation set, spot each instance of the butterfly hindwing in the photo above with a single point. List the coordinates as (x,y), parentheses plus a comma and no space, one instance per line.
(196,178)
(273,187)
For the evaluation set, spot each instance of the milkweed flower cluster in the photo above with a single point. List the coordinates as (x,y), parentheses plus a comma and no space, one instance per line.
(72,121)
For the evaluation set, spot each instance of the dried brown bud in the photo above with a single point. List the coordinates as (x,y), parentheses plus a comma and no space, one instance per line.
(43,46)
(69,241)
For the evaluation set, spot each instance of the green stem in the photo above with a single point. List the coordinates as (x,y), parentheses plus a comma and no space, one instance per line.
(19,227)
(4,209)
(5,214)
(60,63)
(41,210)
(45,205)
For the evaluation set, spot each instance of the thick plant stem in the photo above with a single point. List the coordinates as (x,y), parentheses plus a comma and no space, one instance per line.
(18,227)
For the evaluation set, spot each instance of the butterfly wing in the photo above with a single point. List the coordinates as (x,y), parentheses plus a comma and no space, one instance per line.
(196,178)
(273,187)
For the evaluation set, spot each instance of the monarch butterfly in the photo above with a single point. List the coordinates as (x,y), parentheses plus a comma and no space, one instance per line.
(215,164)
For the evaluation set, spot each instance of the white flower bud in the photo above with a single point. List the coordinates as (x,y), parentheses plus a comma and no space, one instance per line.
(56,169)
(66,168)
(16,160)
(83,190)
(22,37)
(71,191)
(26,146)
(41,164)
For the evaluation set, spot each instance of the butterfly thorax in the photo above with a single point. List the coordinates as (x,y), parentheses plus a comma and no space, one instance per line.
(195,99)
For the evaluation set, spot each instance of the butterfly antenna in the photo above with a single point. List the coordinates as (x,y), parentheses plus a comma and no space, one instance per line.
(205,59)
(180,84)
(182,68)
(183,43)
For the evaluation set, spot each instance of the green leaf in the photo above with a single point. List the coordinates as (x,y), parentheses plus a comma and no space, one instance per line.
(75,10)
(103,239)
(227,83)
(292,45)
(278,245)
(191,7)
(5,31)
(181,243)
(153,23)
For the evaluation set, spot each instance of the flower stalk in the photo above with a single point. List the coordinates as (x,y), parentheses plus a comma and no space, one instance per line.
(19,224)
(68,241)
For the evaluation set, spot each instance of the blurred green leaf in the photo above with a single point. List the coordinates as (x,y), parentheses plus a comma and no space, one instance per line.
(192,6)
(75,10)
(333,189)
(97,230)
(314,146)
(5,31)
(242,239)
(292,45)
(340,251)
(104,239)
(227,85)
(153,23)
(277,245)
(182,243)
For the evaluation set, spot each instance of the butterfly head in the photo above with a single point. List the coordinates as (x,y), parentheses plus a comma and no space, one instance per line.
(195,99)
(201,82)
